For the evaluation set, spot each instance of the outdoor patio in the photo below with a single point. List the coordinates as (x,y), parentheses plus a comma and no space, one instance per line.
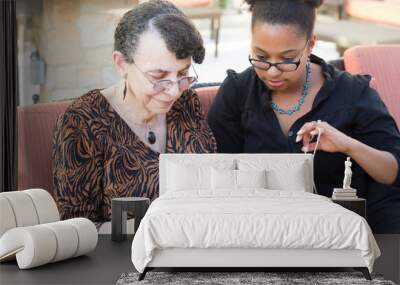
(88,26)
(334,34)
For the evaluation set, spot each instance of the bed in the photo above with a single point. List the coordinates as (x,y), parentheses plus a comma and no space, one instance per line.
(246,211)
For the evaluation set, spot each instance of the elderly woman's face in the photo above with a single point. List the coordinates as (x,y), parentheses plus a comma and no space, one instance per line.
(154,62)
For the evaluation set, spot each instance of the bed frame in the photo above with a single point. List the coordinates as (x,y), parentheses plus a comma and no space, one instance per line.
(242,259)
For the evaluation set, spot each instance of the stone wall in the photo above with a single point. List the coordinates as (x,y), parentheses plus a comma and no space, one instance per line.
(75,38)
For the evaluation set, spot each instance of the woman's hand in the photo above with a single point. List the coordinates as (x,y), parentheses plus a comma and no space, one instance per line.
(331,139)
(383,170)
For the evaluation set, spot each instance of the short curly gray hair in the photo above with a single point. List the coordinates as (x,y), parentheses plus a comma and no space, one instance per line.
(178,32)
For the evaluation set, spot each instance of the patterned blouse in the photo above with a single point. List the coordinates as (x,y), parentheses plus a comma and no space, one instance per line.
(97,157)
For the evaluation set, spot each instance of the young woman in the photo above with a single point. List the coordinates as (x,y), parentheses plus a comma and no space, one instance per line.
(279,103)
(108,141)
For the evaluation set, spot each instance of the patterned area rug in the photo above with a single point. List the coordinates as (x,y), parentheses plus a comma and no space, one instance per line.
(243,278)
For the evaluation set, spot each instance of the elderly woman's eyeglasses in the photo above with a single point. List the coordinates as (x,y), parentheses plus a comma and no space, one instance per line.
(284,66)
(184,82)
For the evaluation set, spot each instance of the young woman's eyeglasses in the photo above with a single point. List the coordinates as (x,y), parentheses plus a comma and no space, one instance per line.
(184,82)
(284,66)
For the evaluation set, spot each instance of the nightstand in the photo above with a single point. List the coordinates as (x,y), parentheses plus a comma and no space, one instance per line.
(358,205)
(119,209)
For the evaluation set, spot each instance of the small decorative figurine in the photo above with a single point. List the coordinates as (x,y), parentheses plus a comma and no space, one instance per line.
(345,193)
(347,174)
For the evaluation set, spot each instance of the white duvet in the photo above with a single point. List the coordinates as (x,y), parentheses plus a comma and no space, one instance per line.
(253,218)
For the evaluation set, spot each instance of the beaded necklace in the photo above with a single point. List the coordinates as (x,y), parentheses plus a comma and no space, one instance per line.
(150,135)
(296,107)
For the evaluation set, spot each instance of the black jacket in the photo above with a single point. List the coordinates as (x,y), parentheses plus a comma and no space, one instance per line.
(243,122)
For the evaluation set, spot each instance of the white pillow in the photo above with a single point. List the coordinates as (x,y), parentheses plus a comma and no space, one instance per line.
(188,177)
(223,179)
(293,180)
(251,178)
(201,161)
(285,174)
(236,179)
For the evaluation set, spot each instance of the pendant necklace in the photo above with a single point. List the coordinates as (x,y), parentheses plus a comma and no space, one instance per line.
(151,135)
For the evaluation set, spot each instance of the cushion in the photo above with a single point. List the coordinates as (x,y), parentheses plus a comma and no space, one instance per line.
(293,180)
(223,179)
(24,211)
(7,216)
(45,206)
(228,179)
(206,96)
(27,208)
(251,178)
(381,62)
(35,132)
(192,174)
(285,174)
(182,177)
(87,235)
(66,237)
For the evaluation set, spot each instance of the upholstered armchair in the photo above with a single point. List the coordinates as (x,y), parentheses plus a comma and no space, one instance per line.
(382,63)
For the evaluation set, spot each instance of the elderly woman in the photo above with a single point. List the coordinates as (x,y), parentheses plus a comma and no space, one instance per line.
(108,141)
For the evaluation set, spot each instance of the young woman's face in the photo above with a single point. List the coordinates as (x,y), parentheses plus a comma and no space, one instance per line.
(280,43)
(154,62)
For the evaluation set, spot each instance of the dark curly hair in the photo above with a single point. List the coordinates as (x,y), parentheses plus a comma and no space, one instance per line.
(178,32)
(300,13)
